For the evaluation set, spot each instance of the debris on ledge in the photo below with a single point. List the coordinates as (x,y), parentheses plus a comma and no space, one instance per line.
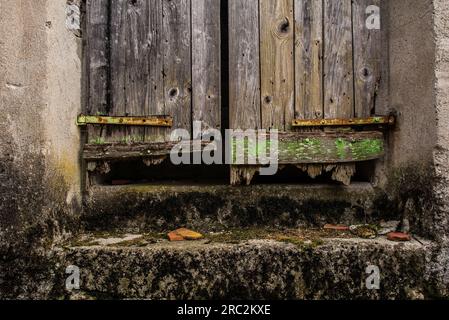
(184,234)
(399,237)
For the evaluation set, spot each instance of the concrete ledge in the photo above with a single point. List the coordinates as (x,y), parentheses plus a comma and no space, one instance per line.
(139,208)
(259,269)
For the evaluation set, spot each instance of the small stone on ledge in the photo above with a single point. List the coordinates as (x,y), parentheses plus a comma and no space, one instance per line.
(399,237)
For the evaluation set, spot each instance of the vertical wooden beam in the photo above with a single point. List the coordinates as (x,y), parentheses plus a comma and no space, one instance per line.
(206,67)
(309,59)
(177,61)
(339,70)
(137,64)
(244,64)
(277,64)
(97,45)
(338,59)
(97,34)
(382,104)
(367,54)
(244,75)
(156,101)
(119,46)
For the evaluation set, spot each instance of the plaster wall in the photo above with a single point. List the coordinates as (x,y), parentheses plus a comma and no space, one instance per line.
(40,96)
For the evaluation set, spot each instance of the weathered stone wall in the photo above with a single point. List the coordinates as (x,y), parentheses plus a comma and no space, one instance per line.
(438,269)
(40,70)
(407,172)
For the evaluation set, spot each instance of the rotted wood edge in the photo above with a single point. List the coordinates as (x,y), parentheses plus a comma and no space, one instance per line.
(244,175)
(145,151)
(152,121)
(371,121)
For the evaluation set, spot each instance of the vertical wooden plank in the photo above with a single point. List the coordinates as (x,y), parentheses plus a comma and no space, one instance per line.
(309,59)
(277,64)
(177,61)
(244,66)
(137,64)
(367,54)
(338,70)
(338,62)
(97,34)
(119,46)
(97,37)
(244,74)
(382,104)
(156,101)
(206,66)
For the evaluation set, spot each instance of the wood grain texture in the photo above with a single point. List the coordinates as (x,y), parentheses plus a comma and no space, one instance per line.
(176,47)
(136,151)
(97,43)
(338,61)
(244,74)
(156,97)
(309,59)
(277,64)
(119,45)
(98,55)
(244,66)
(137,63)
(367,55)
(382,100)
(206,66)
(318,148)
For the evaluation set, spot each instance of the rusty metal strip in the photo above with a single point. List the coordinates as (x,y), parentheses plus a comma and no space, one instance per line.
(152,121)
(383,120)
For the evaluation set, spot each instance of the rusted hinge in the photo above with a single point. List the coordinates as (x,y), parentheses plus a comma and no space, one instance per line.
(382,120)
(151,121)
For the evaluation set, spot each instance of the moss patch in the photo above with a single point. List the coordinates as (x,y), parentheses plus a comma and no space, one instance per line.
(310,150)
(298,237)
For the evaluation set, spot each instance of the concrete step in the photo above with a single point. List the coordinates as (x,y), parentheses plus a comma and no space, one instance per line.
(143,208)
(148,267)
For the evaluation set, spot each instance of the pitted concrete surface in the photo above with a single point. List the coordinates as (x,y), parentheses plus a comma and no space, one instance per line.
(256,269)
(139,208)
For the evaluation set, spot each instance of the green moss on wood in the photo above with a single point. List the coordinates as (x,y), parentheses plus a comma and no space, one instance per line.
(321,149)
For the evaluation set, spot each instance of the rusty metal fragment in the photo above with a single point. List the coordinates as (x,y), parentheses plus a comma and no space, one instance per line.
(151,121)
(383,120)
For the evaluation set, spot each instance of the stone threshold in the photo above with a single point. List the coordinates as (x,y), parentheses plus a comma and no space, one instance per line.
(248,269)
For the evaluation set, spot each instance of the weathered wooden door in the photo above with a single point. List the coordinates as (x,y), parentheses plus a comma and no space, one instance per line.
(296,60)
(153,58)
(289,61)
(302,59)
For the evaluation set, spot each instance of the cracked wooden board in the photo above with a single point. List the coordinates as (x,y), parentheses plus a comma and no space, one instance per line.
(367,55)
(309,59)
(277,63)
(338,60)
(311,148)
(135,151)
